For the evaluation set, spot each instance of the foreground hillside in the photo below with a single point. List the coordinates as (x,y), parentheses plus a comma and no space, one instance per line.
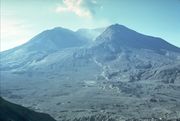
(13,112)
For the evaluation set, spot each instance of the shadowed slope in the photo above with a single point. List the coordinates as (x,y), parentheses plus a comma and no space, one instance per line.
(13,112)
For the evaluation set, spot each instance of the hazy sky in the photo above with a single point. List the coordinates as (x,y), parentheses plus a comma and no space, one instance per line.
(23,19)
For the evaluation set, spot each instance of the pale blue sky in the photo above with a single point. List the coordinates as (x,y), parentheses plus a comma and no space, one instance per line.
(23,19)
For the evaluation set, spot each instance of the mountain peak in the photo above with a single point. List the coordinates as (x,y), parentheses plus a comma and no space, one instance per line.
(121,36)
(120,29)
(114,26)
(59,29)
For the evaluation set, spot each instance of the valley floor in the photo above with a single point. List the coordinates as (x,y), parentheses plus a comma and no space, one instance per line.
(81,100)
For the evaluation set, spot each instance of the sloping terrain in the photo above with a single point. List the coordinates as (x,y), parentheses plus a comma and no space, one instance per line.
(39,47)
(13,112)
(123,75)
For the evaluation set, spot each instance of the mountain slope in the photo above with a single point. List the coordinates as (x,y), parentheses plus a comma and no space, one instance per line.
(13,112)
(127,55)
(121,36)
(123,75)
(52,40)
(39,47)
